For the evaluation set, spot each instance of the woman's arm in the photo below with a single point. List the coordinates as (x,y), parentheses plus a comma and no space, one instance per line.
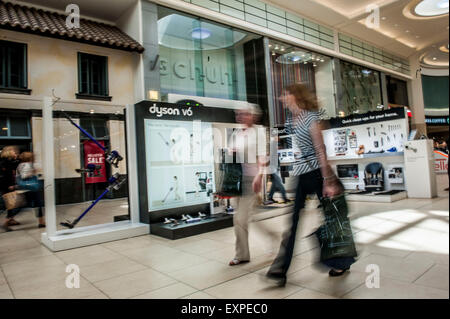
(331,185)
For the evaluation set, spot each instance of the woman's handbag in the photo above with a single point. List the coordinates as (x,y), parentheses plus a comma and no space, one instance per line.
(335,235)
(14,199)
(232,180)
(29,184)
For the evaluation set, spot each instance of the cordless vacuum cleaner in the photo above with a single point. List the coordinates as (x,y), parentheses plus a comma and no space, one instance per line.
(115,182)
(92,170)
(112,158)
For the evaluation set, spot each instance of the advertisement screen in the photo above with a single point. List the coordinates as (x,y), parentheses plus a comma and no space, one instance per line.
(180,163)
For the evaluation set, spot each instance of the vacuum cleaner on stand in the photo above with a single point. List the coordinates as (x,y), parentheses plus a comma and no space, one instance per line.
(115,181)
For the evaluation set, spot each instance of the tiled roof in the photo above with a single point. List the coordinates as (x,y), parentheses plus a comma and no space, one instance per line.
(28,19)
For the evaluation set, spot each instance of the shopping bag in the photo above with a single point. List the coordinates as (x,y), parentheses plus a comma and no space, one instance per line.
(29,184)
(232,180)
(335,235)
(14,199)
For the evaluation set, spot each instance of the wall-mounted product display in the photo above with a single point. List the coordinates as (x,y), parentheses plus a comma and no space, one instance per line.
(366,151)
(177,153)
(181,159)
(375,132)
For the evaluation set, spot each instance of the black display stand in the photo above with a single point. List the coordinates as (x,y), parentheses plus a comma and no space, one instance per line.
(211,223)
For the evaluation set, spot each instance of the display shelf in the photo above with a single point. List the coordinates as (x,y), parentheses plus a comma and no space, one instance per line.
(211,223)
(364,156)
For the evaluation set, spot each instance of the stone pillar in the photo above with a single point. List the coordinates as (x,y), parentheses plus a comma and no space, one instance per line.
(415,96)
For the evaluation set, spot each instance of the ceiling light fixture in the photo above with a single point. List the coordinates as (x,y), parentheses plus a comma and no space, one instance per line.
(200,33)
(430,8)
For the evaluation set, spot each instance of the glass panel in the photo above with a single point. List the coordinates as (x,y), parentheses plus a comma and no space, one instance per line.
(3,126)
(19,126)
(100,129)
(12,67)
(201,58)
(361,90)
(86,124)
(293,65)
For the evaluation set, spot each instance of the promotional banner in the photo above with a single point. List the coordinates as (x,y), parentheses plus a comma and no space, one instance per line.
(441,162)
(95,155)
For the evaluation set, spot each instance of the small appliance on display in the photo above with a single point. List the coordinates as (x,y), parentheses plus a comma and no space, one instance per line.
(348,171)
(374,177)
(340,142)
(286,156)
(395,175)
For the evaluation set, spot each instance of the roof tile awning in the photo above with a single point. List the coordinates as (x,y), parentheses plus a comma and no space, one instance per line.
(37,21)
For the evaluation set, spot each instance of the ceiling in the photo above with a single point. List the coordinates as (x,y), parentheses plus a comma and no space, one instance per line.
(398,34)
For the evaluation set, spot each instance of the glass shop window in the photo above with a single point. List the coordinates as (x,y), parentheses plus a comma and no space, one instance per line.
(93,74)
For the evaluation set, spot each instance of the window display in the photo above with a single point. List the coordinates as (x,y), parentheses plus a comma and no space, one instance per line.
(361,89)
(291,65)
(181,159)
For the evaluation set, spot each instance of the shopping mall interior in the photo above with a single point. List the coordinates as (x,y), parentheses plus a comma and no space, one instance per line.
(123,122)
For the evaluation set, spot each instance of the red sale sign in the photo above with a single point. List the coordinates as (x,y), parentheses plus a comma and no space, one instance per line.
(95,155)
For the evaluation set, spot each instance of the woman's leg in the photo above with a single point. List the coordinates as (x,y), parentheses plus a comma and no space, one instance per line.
(282,262)
(241,220)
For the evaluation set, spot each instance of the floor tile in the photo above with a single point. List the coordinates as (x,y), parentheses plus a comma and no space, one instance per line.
(309,294)
(173,261)
(199,295)
(394,267)
(207,274)
(5,292)
(87,256)
(134,284)
(436,277)
(317,279)
(110,269)
(31,267)
(251,286)
(395,289)
(174,291)
(21,255)
(202,246)
(437,258)
(56,290)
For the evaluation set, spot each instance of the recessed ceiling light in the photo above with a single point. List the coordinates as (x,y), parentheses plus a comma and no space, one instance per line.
(430,8)
(434,58)
(417,36)
(407,31)
(200,33)
(383,18)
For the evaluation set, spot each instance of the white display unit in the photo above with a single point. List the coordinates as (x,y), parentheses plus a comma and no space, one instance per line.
(57,240)
(419,169)
(382,135)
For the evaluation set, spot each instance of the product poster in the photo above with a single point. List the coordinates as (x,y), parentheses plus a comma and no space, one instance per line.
(95,155)
(180,163)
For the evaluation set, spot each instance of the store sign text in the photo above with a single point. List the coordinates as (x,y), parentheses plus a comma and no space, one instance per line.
(189,70)
(161,111)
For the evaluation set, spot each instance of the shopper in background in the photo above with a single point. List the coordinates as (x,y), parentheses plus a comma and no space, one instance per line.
(277,186)
(245,143)
(26,172)
(8,165)
(314,174)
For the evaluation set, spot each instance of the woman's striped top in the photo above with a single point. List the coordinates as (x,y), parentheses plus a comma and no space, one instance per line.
(306,159)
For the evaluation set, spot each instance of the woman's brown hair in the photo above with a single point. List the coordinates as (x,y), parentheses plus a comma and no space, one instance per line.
(304,97)
(26,157)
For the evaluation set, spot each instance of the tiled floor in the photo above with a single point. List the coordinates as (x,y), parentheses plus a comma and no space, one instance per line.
(408,241)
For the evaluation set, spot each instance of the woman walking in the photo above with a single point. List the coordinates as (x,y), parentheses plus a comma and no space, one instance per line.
(8,165)
(314,174)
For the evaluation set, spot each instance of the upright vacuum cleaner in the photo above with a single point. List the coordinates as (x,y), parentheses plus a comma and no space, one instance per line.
(115,181)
